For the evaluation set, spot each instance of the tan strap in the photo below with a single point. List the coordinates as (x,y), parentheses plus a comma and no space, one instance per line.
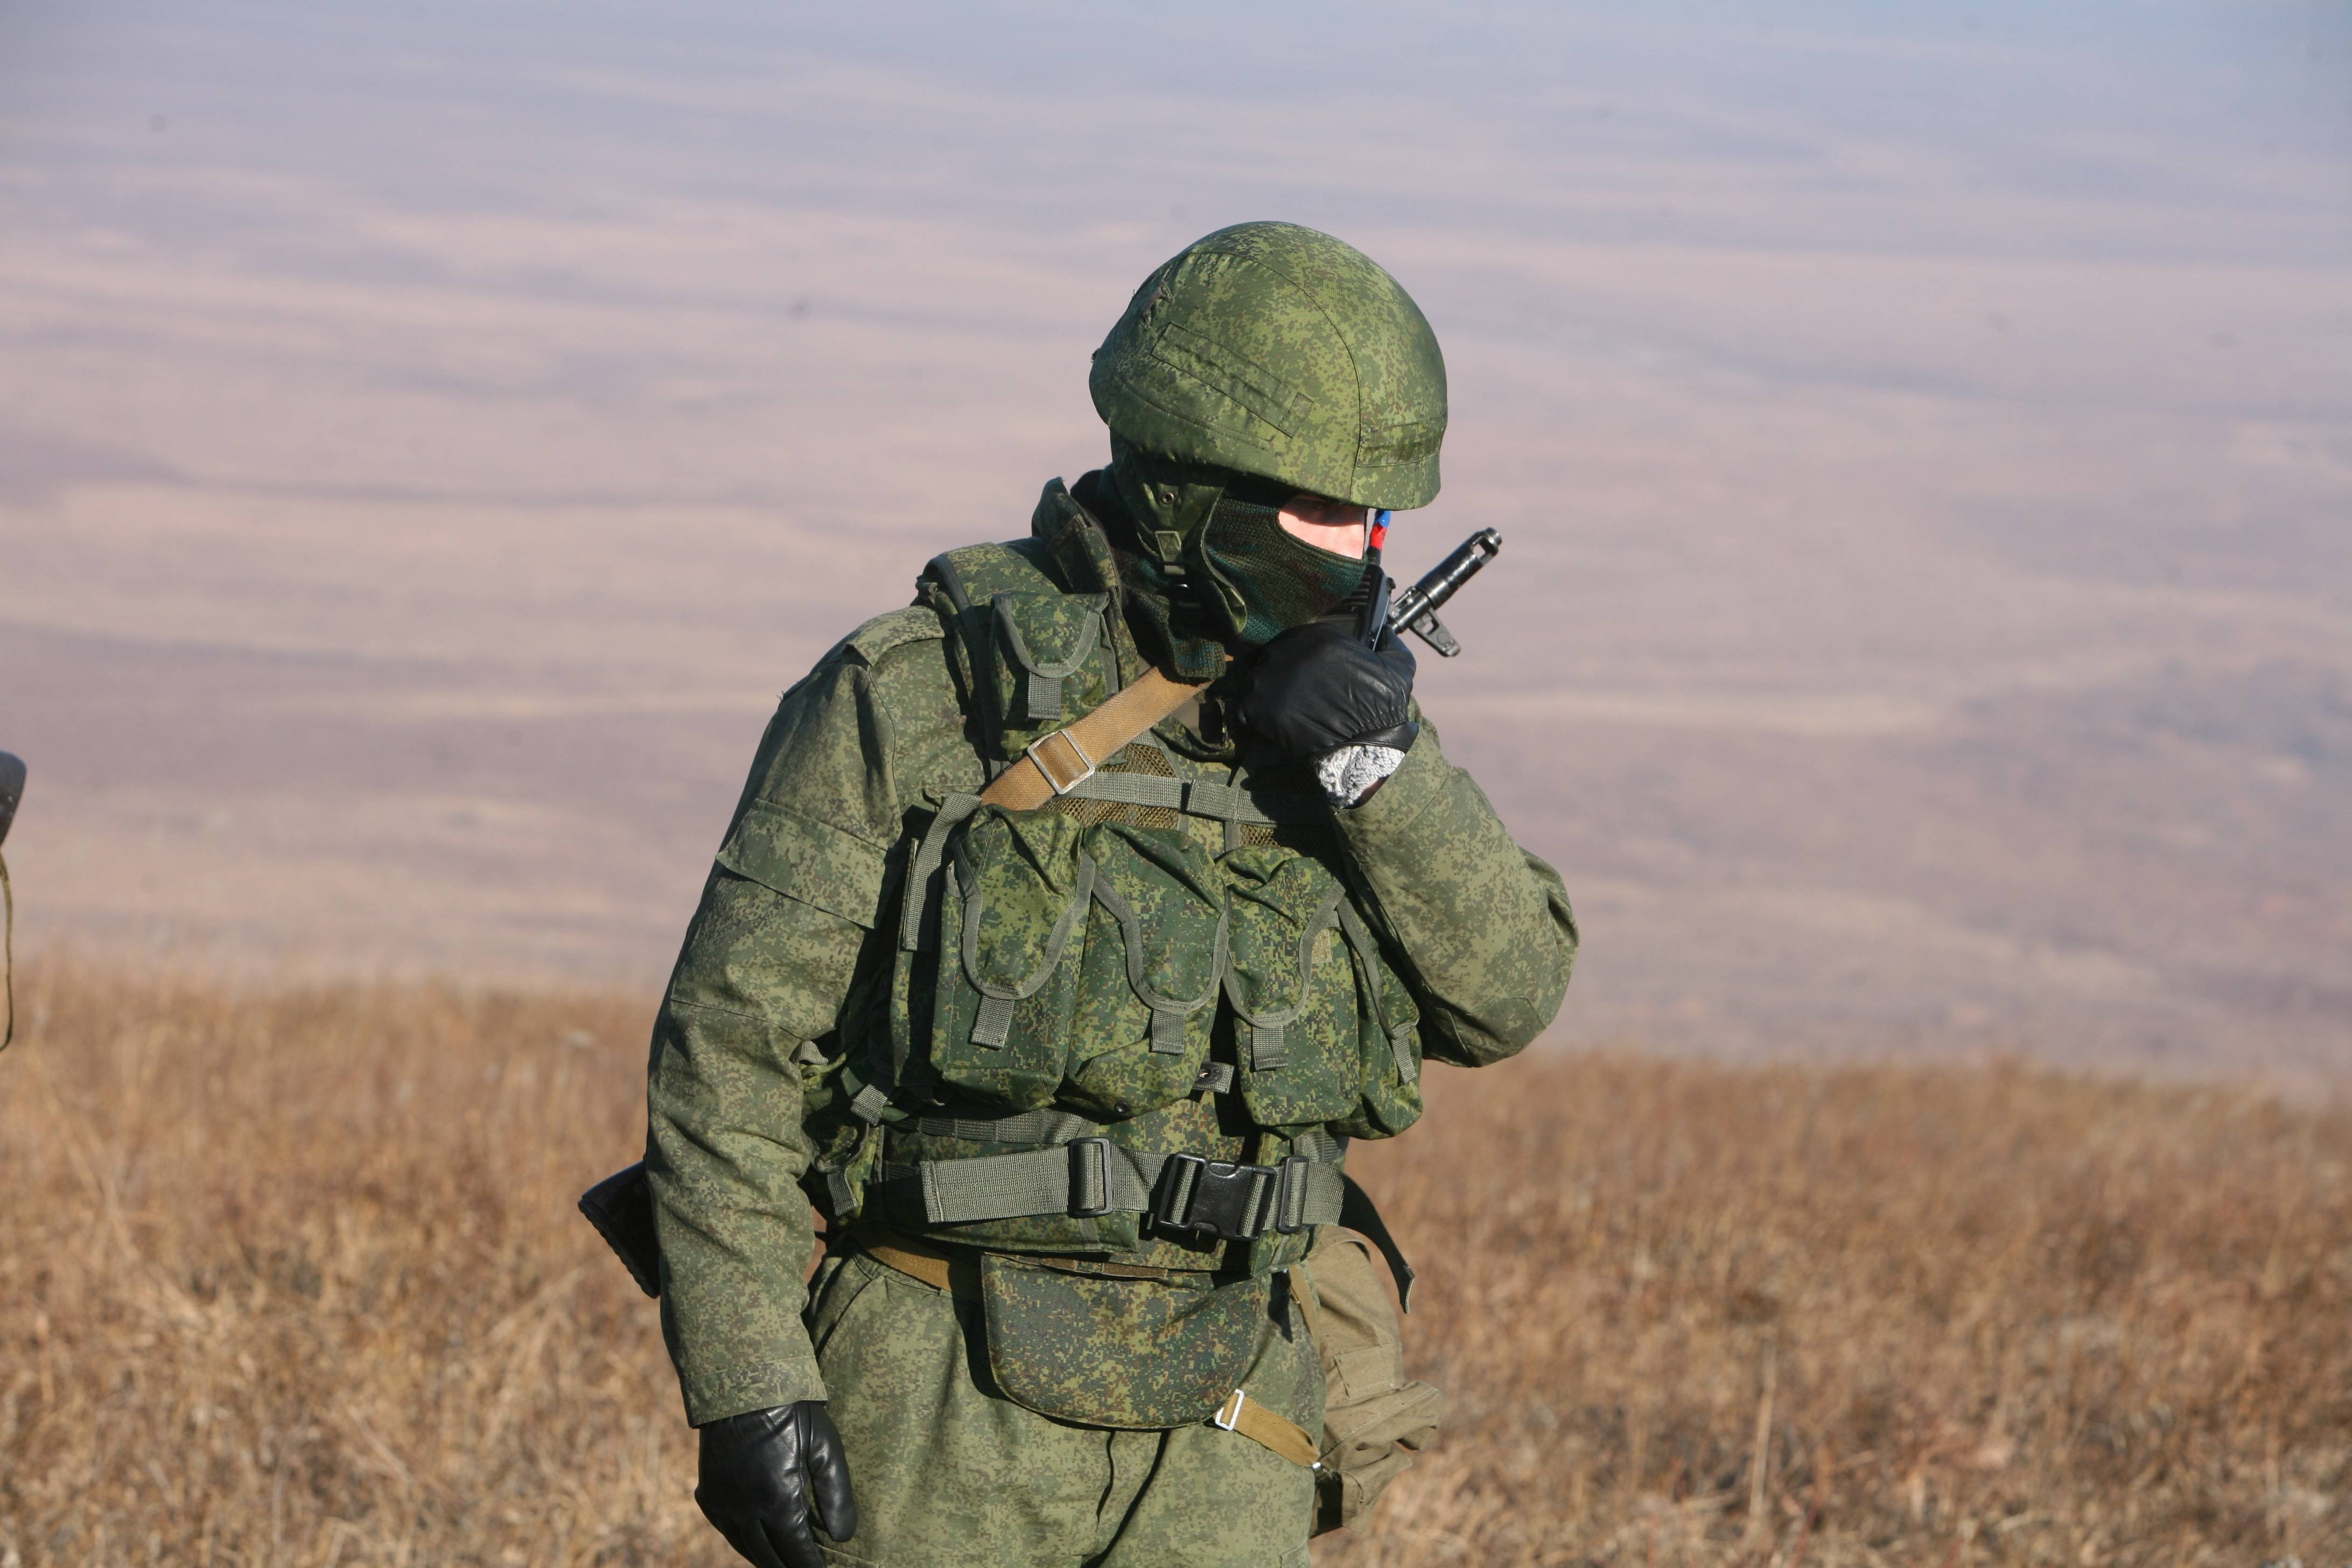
(1059,763)
(931,1264)
(1268,1428)
(955,1276)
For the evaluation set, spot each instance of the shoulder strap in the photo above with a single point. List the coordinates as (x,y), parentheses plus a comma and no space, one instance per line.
(1058,762)
(977,573)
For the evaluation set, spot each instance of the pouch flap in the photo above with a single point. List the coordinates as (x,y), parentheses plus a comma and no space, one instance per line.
(1021,881)
(1050,633)
(1137,1354)
(1162,887)
(1282,904)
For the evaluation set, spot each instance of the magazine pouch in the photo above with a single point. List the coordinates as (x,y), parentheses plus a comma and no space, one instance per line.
(1014,891)
(1325,1033)
(1155,948)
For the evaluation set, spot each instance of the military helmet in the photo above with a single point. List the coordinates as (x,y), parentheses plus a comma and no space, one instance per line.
(1275,351)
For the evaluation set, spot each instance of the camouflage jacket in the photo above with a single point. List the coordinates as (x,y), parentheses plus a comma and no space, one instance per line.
(780,1003)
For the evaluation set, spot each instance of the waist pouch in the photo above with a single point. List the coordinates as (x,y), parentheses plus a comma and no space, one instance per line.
(1109,1352)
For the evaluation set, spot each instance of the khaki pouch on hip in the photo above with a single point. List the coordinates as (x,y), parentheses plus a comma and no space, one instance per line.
(1374,1419)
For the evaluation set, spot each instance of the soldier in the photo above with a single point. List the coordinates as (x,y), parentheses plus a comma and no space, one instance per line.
(1071,1070)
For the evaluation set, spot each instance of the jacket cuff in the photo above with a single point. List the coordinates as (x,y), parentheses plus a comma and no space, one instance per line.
(721,1393)
(1419,782)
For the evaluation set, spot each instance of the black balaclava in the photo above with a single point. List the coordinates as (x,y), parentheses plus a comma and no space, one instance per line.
(1269,581)
(1207,550)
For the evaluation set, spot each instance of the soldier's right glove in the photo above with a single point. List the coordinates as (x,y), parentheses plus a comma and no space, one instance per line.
(1317,688)
(758,1471)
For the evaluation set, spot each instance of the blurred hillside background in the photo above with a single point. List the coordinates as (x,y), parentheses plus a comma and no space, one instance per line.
(432,434)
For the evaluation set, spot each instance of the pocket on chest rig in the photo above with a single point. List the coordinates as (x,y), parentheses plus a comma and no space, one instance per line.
(1015,893)
(1072,961)
(1326,1032)
(1146,984)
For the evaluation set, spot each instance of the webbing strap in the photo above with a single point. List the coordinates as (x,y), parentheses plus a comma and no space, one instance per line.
(1041,1182)
(866,1101)
(1269,1428)
(1022,1127)
(954,809)
(1089,1177)
(1059,1127)
(1316,1144)
(1193,797)
(1132,789)
(1133,708)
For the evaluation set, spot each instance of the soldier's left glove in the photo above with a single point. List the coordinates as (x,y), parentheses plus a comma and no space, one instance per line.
(1317,689)
(759,1470)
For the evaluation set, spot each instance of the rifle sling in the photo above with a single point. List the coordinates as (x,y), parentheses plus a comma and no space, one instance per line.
(1058,762)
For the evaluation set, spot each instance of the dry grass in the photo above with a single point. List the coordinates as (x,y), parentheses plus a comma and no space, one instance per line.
(293,1279)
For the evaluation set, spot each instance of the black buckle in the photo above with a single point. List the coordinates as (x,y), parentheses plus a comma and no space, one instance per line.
(1212,1197)
(1089,1174)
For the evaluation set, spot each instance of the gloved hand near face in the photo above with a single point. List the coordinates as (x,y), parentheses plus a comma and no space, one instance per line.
(1317,689)
(1318,694)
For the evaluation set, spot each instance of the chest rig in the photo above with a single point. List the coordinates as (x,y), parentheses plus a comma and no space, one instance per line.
(1149,1010)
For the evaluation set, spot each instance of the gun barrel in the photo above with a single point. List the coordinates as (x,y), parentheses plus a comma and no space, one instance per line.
(1445,579)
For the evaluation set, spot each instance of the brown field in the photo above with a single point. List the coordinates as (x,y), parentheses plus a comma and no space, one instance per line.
(292,1278)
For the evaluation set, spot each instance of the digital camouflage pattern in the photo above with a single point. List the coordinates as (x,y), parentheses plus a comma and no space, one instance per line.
(950,1474)
(788,969)
(1115,1352)
(1078,955)
(1272,350)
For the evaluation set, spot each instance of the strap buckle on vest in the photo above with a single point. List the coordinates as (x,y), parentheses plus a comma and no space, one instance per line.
(1232,1201)
(1067,779)
(1090,1188)
(1290,1202)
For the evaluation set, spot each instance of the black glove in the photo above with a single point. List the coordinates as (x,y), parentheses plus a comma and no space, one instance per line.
(1317,687)
(758,1470)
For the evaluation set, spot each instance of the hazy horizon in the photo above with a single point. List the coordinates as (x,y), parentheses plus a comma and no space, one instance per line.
(432,434)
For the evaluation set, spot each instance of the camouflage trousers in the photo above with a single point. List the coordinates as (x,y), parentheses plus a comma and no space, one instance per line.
(950,1473)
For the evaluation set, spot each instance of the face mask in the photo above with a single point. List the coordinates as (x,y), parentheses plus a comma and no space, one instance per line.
(1269,581)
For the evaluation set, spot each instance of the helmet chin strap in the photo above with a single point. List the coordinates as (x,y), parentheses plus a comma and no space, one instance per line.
(1169,502)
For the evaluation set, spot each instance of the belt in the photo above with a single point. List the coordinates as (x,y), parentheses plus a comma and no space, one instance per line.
(1087,1178)
(957,1269)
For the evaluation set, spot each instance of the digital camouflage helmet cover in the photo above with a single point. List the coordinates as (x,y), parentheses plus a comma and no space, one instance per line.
(1275,351)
